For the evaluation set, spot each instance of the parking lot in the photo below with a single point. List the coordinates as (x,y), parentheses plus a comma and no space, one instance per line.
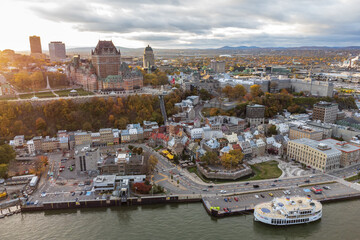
(240,202)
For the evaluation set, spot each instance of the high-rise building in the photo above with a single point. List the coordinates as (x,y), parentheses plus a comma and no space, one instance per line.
(35,45)
(255,114)
(57,51)
(148,59)
(217,66)
(325,112)
(106,59)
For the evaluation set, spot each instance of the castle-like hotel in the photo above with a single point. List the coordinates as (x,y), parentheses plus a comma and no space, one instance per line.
(105,73)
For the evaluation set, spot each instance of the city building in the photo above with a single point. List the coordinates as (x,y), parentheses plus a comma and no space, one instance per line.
(82,138)
(217,66)
(57,51)
(325,112)
(106,59)
(305,132)
(148,59)
(315,154)
(350,153)
(104,183)
(19,141)
(255,114)
(35,45)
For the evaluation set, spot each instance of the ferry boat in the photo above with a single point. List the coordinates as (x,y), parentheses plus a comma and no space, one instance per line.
(288,211)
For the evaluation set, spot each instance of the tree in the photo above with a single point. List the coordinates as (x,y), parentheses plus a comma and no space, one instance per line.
(141,188)
(40,124)
(7,154)
(232,159)
(210,158)
(204,94)
(256,91)
(153,161)
(239,91)
(272,130)
(87,126)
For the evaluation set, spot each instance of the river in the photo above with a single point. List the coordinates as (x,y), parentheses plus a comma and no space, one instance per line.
(174,221)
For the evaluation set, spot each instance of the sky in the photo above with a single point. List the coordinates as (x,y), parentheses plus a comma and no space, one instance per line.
(180,23)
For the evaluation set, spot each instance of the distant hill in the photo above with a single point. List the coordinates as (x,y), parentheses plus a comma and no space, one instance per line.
(288,48)
(237,48)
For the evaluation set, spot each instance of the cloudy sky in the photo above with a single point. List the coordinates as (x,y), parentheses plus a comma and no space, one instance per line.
(180,23)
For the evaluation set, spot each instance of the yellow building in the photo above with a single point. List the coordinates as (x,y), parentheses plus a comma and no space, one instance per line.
(315,154)
(305,132)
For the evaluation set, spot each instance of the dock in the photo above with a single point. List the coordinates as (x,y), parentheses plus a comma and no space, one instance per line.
(244,203)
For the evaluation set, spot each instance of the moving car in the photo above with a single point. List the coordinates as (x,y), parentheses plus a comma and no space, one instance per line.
(222,191)
(256,186)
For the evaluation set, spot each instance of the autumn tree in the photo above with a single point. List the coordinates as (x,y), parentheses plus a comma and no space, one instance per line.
(255,90)
(153,161)
(232,159)
(40,124)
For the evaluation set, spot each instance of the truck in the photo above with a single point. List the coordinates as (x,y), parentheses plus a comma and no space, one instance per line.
(34,181)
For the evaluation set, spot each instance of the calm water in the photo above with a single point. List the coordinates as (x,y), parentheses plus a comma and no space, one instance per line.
(178,221)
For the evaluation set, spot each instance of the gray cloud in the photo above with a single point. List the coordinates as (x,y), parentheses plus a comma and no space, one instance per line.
(199,23)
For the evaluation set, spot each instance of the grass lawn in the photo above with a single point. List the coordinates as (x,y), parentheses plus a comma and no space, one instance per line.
(81,92)
(265,170)
(353,178)
(39,95)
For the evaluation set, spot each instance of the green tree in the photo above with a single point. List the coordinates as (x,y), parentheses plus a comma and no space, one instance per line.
(210,158)
(272,130)
(7,154)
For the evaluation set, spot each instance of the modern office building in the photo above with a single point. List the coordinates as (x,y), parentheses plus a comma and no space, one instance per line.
(315,154)
(325,112)
(106,59)
(305,132)
(255,114)
(57,51)
(35,45)
(148,59)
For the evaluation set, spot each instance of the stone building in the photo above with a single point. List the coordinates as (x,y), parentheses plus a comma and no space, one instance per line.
(106,59)
(148,59)
(255,114)
(316,154)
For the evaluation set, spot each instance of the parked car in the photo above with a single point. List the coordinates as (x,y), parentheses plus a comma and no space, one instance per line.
(236,199)
(262,196)
(256,196)
(270,194)
(327,187)
(307,181)
(205,189)
(256,186)
(225,199)
(246,183)
(222,191)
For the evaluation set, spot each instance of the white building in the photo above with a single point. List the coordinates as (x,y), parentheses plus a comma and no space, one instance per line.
(31,147)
